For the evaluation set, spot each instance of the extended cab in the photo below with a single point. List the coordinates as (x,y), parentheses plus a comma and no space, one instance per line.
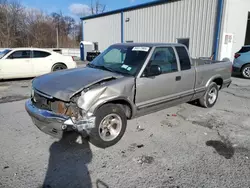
(123,82)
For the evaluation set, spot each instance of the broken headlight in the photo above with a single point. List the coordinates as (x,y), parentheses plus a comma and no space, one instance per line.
(67,109)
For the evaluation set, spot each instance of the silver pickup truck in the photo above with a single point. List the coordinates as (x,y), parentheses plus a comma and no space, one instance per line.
(123,82)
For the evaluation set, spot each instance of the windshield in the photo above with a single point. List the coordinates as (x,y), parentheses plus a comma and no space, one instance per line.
(125,60)
(3,53)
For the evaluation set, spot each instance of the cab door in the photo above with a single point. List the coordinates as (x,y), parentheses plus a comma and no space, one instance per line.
(187,83)
(17,65)
(152,91)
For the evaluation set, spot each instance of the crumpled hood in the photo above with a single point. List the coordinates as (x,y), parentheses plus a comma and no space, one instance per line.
(65,84)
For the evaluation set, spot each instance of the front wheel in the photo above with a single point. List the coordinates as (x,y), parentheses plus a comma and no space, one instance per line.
(210,97)
(110,126)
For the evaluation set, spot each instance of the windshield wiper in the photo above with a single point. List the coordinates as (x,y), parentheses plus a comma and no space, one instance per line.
(107,69)
(100,67)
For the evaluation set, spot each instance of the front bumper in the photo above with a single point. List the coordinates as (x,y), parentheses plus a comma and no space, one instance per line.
(47,121)
(55,124)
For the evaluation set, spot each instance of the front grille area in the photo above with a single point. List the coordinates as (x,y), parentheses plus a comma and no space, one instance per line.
(41,102)
(54,105)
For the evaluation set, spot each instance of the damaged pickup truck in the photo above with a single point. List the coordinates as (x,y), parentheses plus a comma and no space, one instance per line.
(123,82)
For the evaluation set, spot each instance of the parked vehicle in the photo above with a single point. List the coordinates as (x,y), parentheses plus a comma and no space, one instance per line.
(31,62)
(123,82)
(241,64)
(92,55)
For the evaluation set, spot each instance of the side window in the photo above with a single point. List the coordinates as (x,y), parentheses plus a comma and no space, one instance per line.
(114,56)
(40,54)
(165,58)
(21,54)
(183,57)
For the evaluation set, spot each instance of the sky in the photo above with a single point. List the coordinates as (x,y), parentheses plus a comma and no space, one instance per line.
(75,7)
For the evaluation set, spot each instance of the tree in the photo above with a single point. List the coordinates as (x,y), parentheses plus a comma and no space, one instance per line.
(96,7)
(21,26)
(11,17)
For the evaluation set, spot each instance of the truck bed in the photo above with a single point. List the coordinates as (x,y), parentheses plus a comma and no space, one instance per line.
(205,68)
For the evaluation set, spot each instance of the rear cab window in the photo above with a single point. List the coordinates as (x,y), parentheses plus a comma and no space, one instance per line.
(183,58)
(40,54)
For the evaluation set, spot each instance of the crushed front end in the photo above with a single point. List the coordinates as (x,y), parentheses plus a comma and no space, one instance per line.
(53,116)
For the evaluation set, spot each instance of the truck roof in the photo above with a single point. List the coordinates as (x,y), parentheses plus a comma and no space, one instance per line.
(149,44)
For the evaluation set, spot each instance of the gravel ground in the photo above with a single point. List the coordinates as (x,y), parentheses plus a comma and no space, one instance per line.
(183,146)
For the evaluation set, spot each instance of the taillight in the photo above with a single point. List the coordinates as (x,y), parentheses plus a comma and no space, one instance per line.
(236,55)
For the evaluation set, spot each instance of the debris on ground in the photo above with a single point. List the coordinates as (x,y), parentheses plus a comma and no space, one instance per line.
(174,115)
(140,145)
(138,128)
(123,154)
(132,147)
(5,167)
(151,135)
(171,178)
(144,159)
(104,165)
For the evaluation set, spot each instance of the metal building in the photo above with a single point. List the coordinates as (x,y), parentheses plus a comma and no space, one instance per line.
(207,27)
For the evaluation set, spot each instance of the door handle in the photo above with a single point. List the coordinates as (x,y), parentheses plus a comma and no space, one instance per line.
(178,78)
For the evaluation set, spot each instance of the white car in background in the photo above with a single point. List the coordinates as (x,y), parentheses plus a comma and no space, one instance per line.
(32,62)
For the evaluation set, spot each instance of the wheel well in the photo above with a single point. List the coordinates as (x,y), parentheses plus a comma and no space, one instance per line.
(244,66)
(219,82)
(124,105)
(59,63)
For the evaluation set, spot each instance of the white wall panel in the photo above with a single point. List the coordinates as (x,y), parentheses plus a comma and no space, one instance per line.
(105,30)
(194,19)
(235,22)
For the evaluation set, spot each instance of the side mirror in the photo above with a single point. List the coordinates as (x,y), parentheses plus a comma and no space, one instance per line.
(154,70)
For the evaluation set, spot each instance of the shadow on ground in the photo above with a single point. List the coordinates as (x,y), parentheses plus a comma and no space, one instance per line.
(68,163)
(224,149)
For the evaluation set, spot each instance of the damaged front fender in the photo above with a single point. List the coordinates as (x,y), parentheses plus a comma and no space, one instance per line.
(117,90)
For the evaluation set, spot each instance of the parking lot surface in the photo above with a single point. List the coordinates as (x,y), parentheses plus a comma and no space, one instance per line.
(183,146)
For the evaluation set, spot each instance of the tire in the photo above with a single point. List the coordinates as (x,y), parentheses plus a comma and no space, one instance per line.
(100,135)
(245,71)
(210,97)
(58,66)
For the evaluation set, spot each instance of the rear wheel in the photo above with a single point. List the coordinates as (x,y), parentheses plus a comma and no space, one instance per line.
(210,97)
(110,126)
(245,72)
(59,66)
